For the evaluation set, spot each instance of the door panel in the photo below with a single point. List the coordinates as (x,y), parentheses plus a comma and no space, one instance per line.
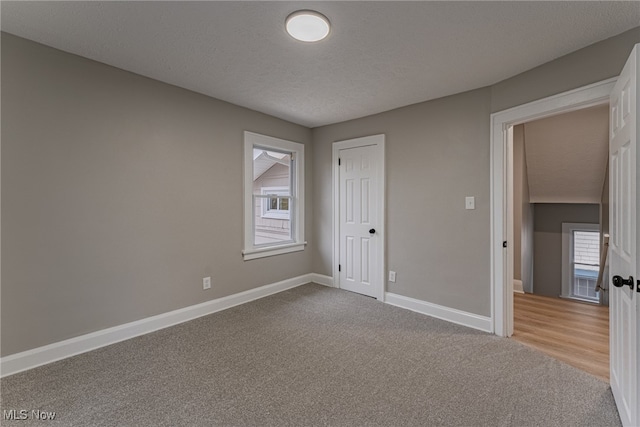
(365,188)
(358,198)
(365,256)
(623,241)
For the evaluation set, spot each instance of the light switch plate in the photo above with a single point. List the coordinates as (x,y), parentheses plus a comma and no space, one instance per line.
(469,202)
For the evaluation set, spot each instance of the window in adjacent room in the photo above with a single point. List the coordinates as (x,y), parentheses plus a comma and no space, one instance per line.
(274,196)
(581,261)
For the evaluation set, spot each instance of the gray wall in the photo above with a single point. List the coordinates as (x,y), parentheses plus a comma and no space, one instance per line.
(548,219)
(436,154)
(604,204)
(518,166)
(592,64)
(604,229)
(119,194)
(523,214)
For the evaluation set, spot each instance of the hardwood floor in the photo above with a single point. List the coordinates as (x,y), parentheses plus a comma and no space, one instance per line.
(574,332)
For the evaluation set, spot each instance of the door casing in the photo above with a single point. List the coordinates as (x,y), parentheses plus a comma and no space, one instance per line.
(501,203)
(380,259)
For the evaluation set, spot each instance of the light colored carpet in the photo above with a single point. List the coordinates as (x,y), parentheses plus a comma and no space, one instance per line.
(313,356)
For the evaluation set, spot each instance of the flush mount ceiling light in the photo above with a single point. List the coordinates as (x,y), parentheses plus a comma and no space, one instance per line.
(307,26)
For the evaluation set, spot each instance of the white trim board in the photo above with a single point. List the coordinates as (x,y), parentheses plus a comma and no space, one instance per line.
(44,355)
(501,275)
(517,286)
(452,315)
(321,279)
(30,359)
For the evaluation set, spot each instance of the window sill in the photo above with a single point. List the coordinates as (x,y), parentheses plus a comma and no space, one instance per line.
(580,299)
(272,250)
(276,216)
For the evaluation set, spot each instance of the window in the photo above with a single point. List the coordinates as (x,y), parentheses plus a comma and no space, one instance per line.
(275,207)
(581,261)
(273,196)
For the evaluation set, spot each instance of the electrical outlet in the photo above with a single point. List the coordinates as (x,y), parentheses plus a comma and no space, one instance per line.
(206,283)
(392,276)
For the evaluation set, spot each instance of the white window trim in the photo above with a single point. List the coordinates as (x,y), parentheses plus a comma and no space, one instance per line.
(297,193)
(271,213)
(567,253)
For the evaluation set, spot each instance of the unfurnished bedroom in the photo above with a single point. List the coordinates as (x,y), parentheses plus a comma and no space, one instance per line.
(319,213)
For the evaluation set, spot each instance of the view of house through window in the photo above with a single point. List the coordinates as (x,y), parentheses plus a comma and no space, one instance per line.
(272,196)
(585,264)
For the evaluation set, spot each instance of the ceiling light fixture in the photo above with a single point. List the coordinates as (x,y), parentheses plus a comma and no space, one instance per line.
(307,26)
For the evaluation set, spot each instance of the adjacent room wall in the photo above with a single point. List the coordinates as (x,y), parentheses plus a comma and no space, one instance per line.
(604,229)
(523,214)
(527,228)
(518,164)
(119,194)
(437,153)
(548,219)
(604,203)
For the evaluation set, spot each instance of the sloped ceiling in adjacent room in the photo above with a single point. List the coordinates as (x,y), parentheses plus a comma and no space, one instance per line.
(567,156)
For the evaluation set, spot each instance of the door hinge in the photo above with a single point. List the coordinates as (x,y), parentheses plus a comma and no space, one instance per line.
(504,244)
(339,267)
(339,161)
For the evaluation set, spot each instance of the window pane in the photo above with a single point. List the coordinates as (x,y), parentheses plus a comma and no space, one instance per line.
(284,204)
(271,169)
(271,177)
(586,263)
(272,226)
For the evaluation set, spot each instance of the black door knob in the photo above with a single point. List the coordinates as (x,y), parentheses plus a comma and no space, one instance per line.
(619,282)
(372,231)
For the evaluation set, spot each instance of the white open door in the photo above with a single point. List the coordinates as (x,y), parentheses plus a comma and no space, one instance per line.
(623,243)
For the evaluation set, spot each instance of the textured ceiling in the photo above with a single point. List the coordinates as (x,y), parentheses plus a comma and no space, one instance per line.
(567,156)
(379,55)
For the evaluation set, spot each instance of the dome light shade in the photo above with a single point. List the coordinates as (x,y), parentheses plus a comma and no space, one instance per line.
(307,26)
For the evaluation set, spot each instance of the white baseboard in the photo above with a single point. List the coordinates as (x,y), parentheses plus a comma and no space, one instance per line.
(29,359)
(517,286)
(321,279)
(33,358)
(463,318)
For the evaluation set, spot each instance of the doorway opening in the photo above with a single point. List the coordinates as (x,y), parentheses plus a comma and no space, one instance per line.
(502,124)
(559,190)
(623,94)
